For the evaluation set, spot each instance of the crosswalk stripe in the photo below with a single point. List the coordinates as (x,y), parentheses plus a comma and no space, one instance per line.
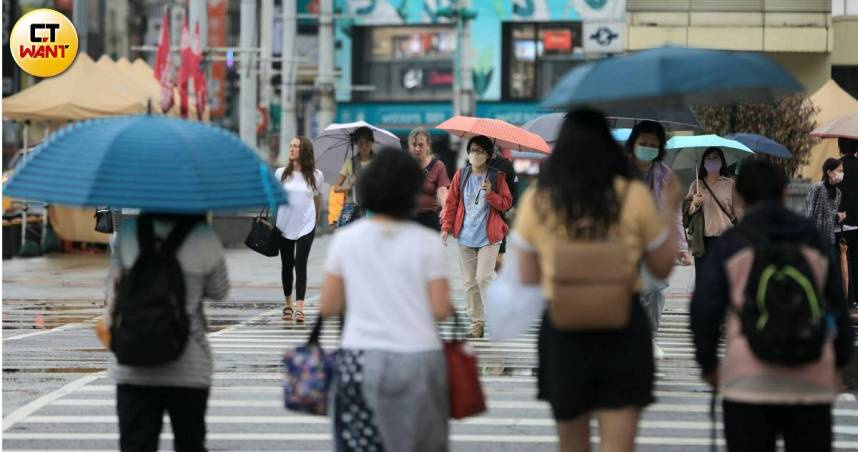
(465,438)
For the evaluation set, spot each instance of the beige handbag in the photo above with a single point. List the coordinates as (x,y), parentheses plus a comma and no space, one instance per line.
(594,282)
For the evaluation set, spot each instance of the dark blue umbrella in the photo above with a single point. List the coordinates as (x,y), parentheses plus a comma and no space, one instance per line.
(673,77)
(153,163)
(762,145)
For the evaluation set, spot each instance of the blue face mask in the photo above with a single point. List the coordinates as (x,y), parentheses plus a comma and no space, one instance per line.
(646,153)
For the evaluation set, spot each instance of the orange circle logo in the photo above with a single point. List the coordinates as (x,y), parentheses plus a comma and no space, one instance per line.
(43,43)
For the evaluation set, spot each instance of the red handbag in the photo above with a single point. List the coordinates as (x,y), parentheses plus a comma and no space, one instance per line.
(466,392)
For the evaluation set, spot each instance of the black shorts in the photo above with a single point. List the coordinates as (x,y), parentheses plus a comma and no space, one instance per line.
(580,372)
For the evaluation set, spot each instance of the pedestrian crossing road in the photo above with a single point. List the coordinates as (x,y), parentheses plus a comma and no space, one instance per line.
(246,412)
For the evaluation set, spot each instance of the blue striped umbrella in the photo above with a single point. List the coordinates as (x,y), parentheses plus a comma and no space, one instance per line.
(152,163)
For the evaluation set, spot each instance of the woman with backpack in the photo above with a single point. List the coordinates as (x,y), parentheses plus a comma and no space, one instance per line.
(646,149)
(153,373)
(362,140)
(390,387)
(297,221)
(473,211)
(435,180)
(713,195)
(588,206)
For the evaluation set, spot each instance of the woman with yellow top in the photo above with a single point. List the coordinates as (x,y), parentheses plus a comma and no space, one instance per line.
(604,373)
(363,140)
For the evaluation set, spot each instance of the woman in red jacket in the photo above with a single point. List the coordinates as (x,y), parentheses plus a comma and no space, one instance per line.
(477,197)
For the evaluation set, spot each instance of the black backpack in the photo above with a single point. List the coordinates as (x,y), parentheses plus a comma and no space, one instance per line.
(150,324)
(784,315)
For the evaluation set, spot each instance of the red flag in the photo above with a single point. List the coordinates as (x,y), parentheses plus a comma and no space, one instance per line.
(164,64)
(186,69)
(199,77)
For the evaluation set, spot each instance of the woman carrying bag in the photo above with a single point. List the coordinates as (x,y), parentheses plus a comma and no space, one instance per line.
(595,343)
(390,387)
(714,195)
(473,214)
(822,205)
(297,221)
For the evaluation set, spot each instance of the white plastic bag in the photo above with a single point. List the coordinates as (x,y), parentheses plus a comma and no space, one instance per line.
(512,307)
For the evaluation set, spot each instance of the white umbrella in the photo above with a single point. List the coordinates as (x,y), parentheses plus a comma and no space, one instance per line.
(334,145)
(685,152)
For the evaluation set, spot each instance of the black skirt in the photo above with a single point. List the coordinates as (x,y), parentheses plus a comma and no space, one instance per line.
(580,372)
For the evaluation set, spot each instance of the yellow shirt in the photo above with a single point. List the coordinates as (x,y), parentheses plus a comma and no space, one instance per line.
(640,227)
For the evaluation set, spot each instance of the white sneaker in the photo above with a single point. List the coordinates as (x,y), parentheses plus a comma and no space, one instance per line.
(657,352)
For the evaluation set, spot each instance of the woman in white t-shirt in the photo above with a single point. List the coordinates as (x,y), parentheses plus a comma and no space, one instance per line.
(388,275)
(297,220)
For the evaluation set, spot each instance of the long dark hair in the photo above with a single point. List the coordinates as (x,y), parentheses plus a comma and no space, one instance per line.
(579,175)
(830,165)
(307,160)
(713,150)
(647,127)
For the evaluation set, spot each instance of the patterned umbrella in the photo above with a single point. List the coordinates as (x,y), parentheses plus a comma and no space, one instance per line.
(503,134)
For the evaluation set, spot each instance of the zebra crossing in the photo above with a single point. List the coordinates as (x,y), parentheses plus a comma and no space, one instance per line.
(246,409)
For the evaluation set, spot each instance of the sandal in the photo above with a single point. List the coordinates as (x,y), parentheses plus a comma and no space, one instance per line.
(287,313)
(299,313)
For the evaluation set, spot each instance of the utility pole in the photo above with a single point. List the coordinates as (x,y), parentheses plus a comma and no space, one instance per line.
(325,81)
(288,118)
(464,102)
(80,18)
(266,37)
(248,80)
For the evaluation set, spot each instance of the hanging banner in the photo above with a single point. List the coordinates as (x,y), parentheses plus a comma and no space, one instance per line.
(217,38)
(605,10)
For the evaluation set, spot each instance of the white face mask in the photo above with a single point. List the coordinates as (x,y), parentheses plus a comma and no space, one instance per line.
(477,158)
(836,178)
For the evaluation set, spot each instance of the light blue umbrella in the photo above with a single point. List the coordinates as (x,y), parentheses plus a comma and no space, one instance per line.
(673,77)
(621,135)
(152,163)
(685,152)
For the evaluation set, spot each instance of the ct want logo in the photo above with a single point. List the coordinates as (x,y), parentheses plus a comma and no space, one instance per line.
(43,43)
(604,36)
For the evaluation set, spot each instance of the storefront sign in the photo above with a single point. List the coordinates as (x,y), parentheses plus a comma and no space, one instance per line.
(604,37)
(430,114)
(557,40)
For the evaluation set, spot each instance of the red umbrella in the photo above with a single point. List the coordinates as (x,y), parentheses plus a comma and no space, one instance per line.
(502,133)
(843,127)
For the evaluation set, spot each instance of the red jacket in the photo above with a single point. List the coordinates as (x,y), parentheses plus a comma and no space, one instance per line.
(499,200)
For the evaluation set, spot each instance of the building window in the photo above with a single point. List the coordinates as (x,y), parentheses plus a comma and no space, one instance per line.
(537,55)
(847,78)
(410,63)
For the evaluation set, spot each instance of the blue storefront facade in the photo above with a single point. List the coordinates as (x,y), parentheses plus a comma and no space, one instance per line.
(395,58)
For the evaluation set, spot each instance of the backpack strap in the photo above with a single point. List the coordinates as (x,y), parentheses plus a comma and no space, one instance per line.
(717,201)
(180,231)
(145,234)
(465,173)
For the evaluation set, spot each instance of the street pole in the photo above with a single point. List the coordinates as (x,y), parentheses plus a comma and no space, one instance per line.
(288,118)
(466,80)
(247,83)
(266,37)
(325,80)
(80,18)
